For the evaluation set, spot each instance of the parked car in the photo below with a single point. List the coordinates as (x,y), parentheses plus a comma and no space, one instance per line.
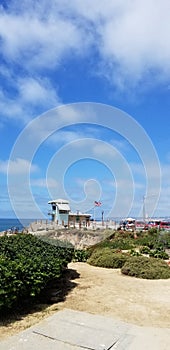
(164,225)
(153,224)
(141,225)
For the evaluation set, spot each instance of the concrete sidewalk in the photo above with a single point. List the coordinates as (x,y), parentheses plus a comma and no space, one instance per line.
(75,330)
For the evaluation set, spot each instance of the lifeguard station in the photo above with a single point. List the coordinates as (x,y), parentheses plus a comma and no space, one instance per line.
(61,214)
(60,211)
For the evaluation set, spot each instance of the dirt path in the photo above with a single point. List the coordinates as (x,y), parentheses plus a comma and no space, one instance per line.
(107,292)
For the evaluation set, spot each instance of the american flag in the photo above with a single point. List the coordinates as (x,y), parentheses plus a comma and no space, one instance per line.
(97,204)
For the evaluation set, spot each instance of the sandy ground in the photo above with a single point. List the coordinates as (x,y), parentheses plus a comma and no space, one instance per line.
(107,292)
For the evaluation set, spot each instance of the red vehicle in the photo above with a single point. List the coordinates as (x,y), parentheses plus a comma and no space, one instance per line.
(164,225)
(153,224)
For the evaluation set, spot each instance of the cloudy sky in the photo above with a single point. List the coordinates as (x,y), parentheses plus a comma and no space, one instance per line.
(84,106)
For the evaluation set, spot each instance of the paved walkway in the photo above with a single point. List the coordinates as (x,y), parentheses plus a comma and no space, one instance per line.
(75,330)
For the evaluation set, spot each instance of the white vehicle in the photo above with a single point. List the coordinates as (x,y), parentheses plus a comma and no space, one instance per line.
(128,224)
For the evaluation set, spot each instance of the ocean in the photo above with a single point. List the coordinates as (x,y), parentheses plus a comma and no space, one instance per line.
(6,224)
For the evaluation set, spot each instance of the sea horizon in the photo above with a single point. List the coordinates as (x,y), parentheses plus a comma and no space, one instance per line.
(9,223)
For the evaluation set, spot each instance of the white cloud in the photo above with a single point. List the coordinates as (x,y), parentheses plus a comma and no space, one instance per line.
(104,150)
(17,167)
(131,39)
(44,183)
(37,91)
(41,41)
(11,108)
(137,168)
(140,169)
(120,145)
(81,133)
(65,136)
(30,93)
(138,40)
(93,11)
(5,72)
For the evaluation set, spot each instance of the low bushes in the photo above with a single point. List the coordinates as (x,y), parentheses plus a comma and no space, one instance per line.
(115,243)
(136,266)
(148,241)
(27,264)
(148,268)
(107,258)
(158,252)
(145,250)
(164,238)
(80,255)
(108,254)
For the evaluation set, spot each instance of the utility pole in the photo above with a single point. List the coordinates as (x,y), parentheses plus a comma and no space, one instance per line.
(144,209)
(103,218)
(144,205)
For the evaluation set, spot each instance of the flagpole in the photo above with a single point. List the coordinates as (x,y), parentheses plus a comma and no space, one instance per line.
(96,204)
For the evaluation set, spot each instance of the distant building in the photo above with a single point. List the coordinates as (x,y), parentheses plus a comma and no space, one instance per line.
(60,211)
(80,219)
(62,215)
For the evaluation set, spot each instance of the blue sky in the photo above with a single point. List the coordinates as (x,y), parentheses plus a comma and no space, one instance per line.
(104,53)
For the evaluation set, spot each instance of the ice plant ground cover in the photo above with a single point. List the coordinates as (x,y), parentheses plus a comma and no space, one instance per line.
(27,264)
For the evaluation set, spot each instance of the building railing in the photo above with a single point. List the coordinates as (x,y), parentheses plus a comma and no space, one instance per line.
(51,212)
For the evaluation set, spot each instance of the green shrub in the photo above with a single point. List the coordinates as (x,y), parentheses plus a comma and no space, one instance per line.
(9,284)
(27,264)
(148,268)
(134,253)
(124,234)
(153,230)
(80,255)
(119,243)
(147,241)
(164,238)
(158,246)
(107,258)
(160,254)
(145,250)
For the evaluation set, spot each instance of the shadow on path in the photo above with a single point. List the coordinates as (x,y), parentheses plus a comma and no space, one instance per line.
(54,292)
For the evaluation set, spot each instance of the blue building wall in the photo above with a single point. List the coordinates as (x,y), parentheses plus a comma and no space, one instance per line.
(62,218)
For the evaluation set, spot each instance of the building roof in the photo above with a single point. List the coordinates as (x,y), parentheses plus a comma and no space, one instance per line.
(63,207)
(79,214)
(58,201)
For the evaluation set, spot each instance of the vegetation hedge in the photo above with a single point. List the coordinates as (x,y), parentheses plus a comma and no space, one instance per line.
(80,255)
(145,241)
(164,238)
(159,253)
(115,243)
(106,257)
(27,264)
(148,268)
(137,266)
